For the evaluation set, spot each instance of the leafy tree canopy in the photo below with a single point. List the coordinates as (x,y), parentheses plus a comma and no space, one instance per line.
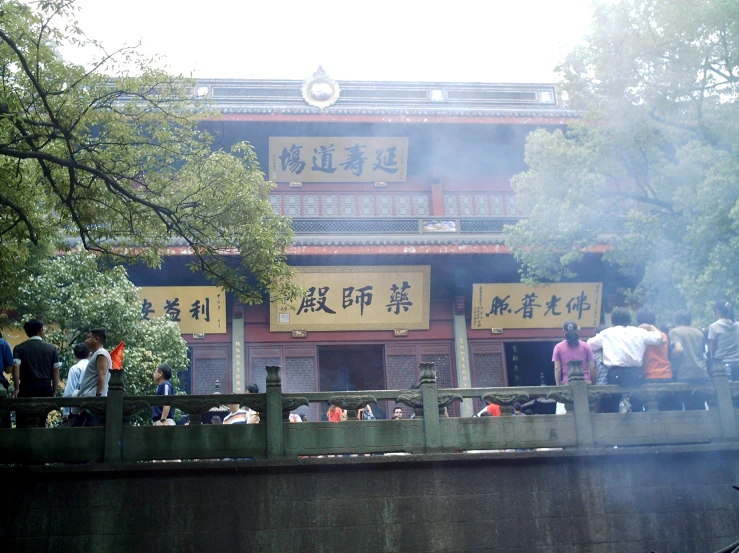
(72,295)
(653,166)
(114,159)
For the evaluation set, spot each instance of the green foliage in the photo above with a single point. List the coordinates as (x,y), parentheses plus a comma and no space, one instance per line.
(75,293)
(653,167)
(114,160)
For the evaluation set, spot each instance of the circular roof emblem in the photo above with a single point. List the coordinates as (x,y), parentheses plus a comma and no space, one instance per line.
(320,90)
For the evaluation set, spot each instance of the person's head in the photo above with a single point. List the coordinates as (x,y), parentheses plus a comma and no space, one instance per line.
(81,352)
(252,389)
(682,318)
(216,420)
(398,412)
(571,333)
(303,417)
(646,317)
(162,372)
(34,328)
(621,317)
(723,310)
(233,407)
(517,407)
(95,339)
(415,386)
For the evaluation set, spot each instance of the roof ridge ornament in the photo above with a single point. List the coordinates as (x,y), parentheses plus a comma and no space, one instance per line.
(320,90)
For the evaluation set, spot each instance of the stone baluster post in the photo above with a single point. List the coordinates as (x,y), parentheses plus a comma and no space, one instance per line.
(720,376)
(114,418)
(275,438)
(583,422)
(430,397)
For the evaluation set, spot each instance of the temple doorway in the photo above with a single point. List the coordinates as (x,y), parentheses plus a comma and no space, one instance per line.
(351,368)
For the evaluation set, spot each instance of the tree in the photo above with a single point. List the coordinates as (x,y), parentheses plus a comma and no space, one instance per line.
(113,159)
(72,295)
(653,166)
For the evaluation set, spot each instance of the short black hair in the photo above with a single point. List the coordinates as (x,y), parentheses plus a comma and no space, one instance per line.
(415,386)
(252,388)
(33,327)
(621,317)
(646,316)
(724,309)
(166,371)
(100,334)
(517,406)
(81,351)
(398,407)
(682,318)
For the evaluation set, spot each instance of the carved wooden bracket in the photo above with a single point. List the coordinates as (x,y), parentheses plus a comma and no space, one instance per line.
(561,396)
(594,397)
(352,404)
(255,403)
(445,400)
(506,398)
(652,397)
(133,406)
(411,399)
(292,403)
(95,406)
(194,407)
(36,411)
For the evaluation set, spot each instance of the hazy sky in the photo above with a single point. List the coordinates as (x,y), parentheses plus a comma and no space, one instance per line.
(409,40)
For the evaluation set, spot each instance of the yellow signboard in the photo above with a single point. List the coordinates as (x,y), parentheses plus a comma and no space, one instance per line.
(197,309)
(547,306)
(338,159)
(357,298)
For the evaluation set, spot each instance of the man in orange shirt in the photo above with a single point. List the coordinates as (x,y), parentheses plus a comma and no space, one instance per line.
(656,366)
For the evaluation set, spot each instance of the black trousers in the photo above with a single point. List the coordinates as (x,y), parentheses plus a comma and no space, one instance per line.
(629,377)
(33,388)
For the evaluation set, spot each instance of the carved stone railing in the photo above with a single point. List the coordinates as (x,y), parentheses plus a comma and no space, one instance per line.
(431,431)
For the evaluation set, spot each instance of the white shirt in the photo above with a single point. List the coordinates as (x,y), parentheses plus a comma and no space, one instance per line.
(73,383)
(623,346)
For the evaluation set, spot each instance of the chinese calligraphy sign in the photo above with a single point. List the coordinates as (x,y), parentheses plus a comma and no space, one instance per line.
(357,298)
(547,306)
(196,309)
(338,159)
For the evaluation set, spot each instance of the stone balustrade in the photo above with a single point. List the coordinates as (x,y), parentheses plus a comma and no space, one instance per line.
(117,440)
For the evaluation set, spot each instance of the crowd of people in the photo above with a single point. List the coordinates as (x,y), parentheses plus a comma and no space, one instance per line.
(628,355)
(623,354)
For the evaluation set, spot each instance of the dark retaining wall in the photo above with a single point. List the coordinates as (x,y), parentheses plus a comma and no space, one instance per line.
(667,500)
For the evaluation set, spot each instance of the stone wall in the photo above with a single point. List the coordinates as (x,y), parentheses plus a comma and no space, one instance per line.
(665,500)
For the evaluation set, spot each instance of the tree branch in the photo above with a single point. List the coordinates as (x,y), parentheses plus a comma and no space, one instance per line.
(32,234)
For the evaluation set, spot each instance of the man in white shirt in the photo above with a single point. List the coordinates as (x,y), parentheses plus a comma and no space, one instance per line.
(74,377)
(623,349)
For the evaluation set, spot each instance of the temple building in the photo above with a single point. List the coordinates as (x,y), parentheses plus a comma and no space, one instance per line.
(399,193)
